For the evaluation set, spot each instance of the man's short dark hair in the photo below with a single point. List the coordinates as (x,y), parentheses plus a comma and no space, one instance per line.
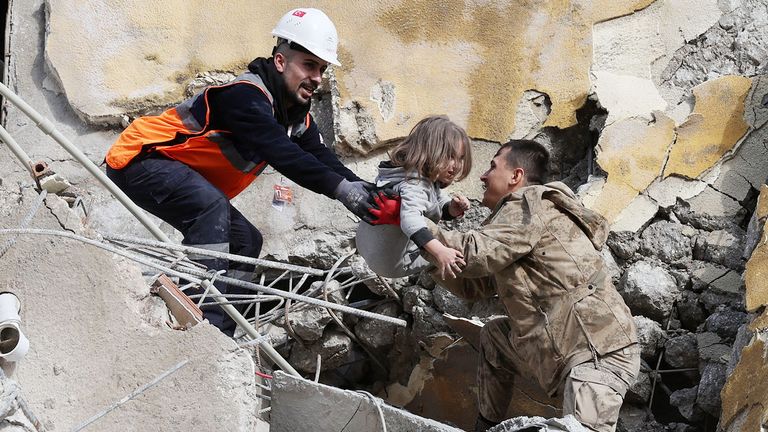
(531,157)
(283,46)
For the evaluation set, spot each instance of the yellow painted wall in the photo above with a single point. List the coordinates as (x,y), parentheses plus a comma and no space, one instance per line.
(471,60)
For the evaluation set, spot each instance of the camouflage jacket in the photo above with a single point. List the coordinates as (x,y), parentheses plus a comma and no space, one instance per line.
(539,251)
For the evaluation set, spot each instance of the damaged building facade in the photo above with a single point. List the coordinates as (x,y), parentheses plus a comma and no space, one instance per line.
(653,110)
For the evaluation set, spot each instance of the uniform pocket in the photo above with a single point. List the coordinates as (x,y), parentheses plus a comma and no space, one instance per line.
(588,396)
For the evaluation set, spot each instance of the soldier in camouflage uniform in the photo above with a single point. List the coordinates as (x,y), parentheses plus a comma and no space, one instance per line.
(567,326)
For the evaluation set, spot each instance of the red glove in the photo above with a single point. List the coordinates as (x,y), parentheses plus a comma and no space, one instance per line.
(388,211)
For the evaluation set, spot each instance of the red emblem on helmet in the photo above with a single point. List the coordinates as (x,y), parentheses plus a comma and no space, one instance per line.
(299,13)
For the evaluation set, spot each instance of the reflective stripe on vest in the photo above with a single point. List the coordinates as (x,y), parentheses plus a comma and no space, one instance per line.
(177,134)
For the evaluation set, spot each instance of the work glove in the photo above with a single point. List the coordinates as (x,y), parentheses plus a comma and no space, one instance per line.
(357,197)
(387,210)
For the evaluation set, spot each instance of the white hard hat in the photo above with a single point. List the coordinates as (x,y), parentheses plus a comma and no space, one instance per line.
(312,29)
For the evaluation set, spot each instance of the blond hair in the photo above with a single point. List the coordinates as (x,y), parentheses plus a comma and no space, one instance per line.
(431,145)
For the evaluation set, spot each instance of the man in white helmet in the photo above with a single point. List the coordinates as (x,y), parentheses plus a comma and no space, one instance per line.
(186,164)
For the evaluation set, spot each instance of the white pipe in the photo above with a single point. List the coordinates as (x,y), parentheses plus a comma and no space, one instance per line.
(21,155)
(49,129)
(13,344)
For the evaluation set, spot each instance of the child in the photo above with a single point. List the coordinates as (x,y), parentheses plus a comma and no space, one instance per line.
(431,157)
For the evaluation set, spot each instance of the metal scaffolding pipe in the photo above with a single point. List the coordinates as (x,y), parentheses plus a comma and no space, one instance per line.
(49,129)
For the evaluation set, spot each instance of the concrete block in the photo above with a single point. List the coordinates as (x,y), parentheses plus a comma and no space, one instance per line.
(301,405)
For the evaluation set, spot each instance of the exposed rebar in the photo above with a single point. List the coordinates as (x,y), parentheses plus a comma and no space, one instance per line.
(132,395)
(191,277)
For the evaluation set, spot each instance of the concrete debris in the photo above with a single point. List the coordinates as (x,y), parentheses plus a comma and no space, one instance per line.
(334,349)
(685,402)
(666,241)
(640,391)
(650,336)
(690,311)
(540,424)
(447,302)
(301,405)
(712,348)
(712,382)
(378,285)
(722,247)
(682,351)
(725,322)
(710,210)
(376,333)
(649,290)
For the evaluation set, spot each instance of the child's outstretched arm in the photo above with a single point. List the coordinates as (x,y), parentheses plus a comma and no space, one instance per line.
(448,260)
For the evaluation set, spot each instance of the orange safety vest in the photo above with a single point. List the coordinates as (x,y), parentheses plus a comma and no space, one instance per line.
(178,135)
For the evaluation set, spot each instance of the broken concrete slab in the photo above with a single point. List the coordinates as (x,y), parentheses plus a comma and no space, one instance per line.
(721,247)
(710,210)
(302,405)
(632,151)
(615,90)
(712,129)
(96,335)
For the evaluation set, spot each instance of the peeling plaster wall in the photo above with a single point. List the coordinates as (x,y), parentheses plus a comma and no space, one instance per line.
(454,64)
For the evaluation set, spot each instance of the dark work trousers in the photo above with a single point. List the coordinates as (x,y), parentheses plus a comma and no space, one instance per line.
(180,196)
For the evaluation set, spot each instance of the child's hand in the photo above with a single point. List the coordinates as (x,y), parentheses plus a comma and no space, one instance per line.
(449,260)
(459,204)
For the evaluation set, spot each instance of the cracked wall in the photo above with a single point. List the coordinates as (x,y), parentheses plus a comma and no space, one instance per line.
(453,63)
(681,85)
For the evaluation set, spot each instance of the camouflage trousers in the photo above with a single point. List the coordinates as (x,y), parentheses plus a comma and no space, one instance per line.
(593,391)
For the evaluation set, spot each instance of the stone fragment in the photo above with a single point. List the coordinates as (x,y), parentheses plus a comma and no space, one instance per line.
(415,295)
(682,351)
(335,349)
(309,322)
(685,402)
(712,348)
(640,390)
(382,286)
(743,338)
(623,243)
(447,302)
(722,247)
(427,322)
(377,333)
(649,290)
(665,241)
(636,215)
(711,384)
(690,311)
(650,336)
(704,273)
(710,210)
(725,322)
(727,290)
